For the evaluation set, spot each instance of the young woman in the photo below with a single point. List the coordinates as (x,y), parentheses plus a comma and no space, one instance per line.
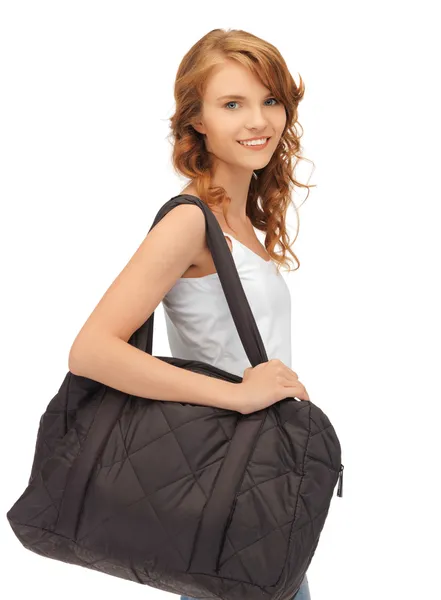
(234,139)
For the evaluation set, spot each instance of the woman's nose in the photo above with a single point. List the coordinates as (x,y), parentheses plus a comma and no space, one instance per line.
(257,121)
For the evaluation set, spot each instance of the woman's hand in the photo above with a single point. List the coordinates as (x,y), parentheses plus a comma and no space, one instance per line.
(267,384)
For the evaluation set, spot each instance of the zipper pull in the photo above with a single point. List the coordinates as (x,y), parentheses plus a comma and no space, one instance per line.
(340,482)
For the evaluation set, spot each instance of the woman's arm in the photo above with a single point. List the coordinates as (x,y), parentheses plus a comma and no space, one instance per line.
(101,352)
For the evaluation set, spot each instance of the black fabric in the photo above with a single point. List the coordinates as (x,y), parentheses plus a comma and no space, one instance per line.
(185,498)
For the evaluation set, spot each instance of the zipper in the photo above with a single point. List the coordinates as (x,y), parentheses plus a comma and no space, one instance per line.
(340,482)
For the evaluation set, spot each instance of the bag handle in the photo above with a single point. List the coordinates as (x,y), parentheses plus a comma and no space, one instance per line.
(229,278)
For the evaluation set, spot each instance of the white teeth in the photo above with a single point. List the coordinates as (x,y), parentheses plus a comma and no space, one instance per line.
(255,142)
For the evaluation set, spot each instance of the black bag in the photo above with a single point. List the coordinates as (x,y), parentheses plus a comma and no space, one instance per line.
(185,498)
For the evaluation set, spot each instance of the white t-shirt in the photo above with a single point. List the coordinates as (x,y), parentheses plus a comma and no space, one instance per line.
(199,322)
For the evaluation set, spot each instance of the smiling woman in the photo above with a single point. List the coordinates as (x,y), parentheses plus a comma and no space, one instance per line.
(227,422)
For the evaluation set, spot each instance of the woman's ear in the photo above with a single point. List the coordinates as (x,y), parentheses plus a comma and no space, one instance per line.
(199,126)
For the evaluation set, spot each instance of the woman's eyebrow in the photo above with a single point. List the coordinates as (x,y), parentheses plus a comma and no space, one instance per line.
(237,96)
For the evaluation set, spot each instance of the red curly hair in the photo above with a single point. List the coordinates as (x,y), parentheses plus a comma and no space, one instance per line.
(274,182)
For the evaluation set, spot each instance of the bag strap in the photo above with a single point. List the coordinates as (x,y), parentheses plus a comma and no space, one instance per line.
(231,284)
(207,550)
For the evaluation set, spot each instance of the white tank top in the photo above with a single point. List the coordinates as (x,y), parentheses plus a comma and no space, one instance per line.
(199,322)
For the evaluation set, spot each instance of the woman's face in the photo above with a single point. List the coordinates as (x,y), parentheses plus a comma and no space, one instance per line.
(226,118)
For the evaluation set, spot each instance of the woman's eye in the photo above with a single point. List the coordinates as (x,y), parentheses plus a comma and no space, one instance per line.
(235,102)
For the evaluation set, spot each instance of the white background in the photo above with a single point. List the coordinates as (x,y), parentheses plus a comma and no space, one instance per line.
(87,91)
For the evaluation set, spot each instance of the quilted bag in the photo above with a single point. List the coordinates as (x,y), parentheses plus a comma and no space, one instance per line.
(190,499)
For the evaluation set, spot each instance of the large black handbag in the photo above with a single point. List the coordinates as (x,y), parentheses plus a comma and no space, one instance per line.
(190,499)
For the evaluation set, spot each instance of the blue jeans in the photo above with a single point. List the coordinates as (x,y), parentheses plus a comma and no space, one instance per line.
(302,594)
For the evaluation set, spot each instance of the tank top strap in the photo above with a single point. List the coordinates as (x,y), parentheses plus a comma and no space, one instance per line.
(241,257)
(229,236)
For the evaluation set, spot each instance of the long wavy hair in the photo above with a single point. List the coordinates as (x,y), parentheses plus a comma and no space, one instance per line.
(274,183)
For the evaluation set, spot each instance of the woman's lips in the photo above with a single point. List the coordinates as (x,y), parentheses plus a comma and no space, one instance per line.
(255,147)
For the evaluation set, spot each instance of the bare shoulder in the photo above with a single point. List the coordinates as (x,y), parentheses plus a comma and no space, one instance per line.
(182,229)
